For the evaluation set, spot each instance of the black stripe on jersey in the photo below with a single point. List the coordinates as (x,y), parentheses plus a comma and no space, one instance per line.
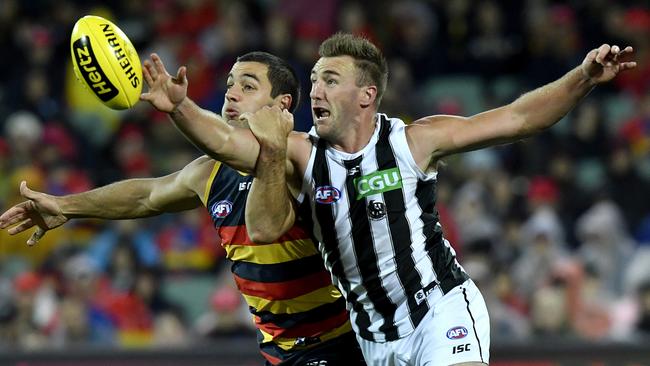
(278,272)
(367,260)
(315,315)
(325,218)
(272,349)
(480,349)
(227,186)
(400,231)
(443,260)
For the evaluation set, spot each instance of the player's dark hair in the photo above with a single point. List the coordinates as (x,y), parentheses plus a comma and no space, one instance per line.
(281,75)
(368,59)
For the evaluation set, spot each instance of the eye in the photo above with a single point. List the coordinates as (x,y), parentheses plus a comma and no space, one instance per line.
(248,87)
(229,85)
(331,82)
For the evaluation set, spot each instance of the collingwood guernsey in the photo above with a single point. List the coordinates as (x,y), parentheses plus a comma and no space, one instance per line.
(374,217)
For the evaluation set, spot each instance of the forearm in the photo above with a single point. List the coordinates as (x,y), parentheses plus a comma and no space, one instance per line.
(212,135)
(122,200)
(269,209)
(543,107)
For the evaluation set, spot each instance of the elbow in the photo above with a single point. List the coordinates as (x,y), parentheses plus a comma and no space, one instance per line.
(263,236)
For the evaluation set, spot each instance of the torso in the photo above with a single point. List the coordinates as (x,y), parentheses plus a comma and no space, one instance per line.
(289,292)
(378,231)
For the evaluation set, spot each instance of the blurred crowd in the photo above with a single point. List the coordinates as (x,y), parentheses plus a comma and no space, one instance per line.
(555,229)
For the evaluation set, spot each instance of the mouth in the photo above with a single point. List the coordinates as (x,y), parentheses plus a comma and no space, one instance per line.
(232,113)
(320,113)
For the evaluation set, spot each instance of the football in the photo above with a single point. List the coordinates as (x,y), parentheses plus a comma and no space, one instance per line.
(106,62)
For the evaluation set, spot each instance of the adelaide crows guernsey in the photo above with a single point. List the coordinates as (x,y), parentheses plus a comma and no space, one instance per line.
(374,217)
(289,292)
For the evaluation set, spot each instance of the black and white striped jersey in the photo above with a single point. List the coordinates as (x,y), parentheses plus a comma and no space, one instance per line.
(374,218)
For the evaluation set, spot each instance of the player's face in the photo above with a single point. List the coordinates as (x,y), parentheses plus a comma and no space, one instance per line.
(335,96)
(248,89)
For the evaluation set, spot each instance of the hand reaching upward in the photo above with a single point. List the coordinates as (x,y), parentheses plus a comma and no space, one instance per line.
(605,62)
(165,92)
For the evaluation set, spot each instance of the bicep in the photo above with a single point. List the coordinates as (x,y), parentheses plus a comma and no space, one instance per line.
(181,190)
(434,137)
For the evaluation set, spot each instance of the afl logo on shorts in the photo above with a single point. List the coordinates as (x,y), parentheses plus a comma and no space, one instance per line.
(327,195)
(221,209)
(457,333)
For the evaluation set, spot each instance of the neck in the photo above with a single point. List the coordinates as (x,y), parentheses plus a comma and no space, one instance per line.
(358,135)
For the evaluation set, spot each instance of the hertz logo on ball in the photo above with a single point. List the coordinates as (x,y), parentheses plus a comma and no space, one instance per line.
(106,62)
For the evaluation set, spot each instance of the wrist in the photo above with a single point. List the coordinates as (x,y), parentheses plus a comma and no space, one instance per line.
(273,151)
(181,107)
(64,206)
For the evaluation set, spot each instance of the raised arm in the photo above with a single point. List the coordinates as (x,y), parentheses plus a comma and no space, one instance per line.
(234,146)
(133,198)
(269,206)
(434,137)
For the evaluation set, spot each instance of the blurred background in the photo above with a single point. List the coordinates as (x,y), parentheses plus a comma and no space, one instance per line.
(555,229)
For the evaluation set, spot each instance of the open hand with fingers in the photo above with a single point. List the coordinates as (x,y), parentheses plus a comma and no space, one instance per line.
(40,210)
(165,91)
(605,62)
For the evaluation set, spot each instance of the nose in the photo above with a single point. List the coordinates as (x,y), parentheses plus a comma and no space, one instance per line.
(231,95)
(316,92)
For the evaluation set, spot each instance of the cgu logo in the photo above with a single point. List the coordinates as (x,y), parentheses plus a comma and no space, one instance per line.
(378,182)
(457,333)
(327,195)
(221,209)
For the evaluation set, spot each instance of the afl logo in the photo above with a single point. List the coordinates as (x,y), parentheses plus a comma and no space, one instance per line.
(327,195)
(457,333)
(221,209)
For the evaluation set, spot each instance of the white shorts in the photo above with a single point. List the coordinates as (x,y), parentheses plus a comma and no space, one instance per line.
(455,330)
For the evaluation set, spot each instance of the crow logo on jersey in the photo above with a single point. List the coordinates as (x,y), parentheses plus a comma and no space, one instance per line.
(376,210)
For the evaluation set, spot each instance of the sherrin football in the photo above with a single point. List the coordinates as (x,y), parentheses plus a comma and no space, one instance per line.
(106,62)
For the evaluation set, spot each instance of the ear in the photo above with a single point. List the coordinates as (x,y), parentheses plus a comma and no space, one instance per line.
(285,101)
(368,96)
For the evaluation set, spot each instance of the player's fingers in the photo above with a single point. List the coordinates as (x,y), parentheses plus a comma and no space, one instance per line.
(287,115)
(603,51)
(158,64)
(591,56)
(145,97)
(181,75)
(147,75)
(6,217)
(26,192)
(14,220)
(148,64)
(38,234)
(22,227)
(627,65)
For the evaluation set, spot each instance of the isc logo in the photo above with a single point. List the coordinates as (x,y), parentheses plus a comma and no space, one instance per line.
(221,209)
(327,195)
(457,333)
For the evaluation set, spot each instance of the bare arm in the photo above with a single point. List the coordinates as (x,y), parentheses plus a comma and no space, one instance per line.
(126,199)
(434,137)
(269,206)
(234,146)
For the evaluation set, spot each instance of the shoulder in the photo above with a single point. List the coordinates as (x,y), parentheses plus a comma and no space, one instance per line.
(196,174)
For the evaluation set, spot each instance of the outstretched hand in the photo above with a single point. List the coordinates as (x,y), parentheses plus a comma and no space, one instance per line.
(605,62)
(40,209)
(165,91)
(270,125)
